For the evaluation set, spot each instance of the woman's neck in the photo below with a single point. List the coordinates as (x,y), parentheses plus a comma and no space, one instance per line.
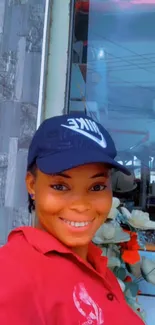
(81,252)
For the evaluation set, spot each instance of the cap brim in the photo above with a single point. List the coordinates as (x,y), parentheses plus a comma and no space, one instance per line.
(59,162)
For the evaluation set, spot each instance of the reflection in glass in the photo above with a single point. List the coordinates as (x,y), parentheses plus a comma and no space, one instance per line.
(113,80)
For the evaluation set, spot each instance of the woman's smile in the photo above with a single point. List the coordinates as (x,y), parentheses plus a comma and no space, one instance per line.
(77,225)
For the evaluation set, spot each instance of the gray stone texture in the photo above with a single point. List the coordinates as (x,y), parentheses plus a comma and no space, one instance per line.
(21,31)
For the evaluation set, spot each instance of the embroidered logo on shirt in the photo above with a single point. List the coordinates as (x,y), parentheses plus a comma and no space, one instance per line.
(87,307)
(84,126)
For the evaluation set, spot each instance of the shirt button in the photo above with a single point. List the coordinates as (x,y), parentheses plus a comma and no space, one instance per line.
(110,296)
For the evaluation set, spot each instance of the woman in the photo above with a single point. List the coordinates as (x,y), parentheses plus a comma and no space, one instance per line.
(52,274)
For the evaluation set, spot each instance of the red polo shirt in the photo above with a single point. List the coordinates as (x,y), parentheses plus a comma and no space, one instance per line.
(42,282)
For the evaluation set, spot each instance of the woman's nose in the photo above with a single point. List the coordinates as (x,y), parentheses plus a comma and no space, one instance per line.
(80,205)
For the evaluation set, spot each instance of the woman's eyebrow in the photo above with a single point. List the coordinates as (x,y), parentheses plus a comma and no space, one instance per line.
(100,175)
(62,175)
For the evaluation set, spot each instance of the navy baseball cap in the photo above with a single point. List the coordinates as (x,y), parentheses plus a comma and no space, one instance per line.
(67,141)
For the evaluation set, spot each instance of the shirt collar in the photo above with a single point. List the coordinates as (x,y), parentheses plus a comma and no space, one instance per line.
(41,240)
(46,243)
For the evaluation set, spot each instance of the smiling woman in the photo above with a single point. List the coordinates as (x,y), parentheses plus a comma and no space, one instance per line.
(68,178)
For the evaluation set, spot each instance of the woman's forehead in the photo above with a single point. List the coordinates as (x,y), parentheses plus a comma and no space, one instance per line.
(87,171)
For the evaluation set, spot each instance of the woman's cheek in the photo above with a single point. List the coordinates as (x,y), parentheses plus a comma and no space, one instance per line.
(104,205)
(52,204)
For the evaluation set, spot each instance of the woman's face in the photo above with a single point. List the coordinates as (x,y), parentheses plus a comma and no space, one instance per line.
(72,205)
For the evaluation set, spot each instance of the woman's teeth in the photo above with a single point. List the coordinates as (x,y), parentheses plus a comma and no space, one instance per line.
(78,224)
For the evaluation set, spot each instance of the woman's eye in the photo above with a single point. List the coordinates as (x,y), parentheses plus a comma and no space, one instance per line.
(59,187)
(98,188)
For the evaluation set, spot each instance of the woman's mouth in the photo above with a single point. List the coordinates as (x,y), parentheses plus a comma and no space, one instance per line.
(77,224)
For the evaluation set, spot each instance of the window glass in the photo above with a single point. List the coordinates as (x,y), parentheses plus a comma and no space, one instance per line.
(113,80)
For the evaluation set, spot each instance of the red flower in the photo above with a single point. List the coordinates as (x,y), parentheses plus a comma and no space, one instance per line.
(128,279)
(130,249)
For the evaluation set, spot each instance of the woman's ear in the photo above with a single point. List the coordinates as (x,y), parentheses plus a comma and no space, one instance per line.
(30,184)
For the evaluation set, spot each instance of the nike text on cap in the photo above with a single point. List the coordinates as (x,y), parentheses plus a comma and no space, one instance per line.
(67,141)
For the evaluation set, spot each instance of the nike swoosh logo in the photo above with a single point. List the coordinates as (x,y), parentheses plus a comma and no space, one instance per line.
(101,142)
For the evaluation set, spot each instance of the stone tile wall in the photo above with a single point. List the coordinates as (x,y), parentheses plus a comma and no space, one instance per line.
(21,30)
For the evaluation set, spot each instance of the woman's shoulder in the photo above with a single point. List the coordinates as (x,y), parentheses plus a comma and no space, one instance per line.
(19,301)
(27,248)
(19,258)
(13,258)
